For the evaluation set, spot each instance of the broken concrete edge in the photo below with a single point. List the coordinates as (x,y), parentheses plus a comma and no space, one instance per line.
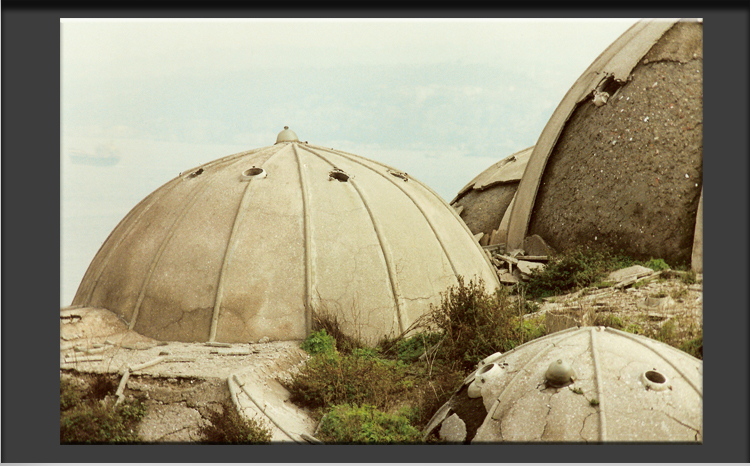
(236,386)
(634,44)
(497,167)
(696,259)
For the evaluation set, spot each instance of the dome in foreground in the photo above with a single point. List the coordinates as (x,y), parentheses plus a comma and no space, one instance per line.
(250,245)
(588,384)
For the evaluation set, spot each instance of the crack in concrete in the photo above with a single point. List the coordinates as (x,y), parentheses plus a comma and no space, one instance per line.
(170,433)
(583,426)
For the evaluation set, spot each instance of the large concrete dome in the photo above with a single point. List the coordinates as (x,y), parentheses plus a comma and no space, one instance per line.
(619,165)
(587,384)
(248,246)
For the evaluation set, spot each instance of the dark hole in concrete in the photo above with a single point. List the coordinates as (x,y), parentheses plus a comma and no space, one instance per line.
(195,173)
(609,85)
(655,377)
(253,171)
(71,318)
(485,369)
(403,176)
(338,175)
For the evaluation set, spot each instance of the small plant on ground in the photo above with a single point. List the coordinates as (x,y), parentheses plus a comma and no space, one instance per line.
(92,417)
(694,346)
(570,272)
(352,424)
(319,342)
(411,349)
(657,265)
(609,320)
(689,278)
(228,426)
(326,320)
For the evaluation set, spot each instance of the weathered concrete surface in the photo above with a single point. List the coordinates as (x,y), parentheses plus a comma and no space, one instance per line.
(258,394)
(624,176)
(627,388)
(453,429)
(245,247)
(171,423)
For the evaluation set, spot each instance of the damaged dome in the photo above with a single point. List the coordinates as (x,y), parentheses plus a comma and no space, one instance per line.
(484,203)
(250,245)
(619,165)
(588,384)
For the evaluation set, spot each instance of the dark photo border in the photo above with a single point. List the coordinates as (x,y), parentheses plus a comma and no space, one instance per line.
(30,212)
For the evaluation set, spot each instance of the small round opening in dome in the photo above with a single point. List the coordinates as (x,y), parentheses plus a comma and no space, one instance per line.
(654,380)
(253,172)
(655,377)
(486,368)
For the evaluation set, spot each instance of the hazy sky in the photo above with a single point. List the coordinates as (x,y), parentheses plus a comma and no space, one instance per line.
(439,99)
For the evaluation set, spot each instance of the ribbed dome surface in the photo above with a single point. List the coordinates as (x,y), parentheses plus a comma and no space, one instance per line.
(246,247)
(622,387)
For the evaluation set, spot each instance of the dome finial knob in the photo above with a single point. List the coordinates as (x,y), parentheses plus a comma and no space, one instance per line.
(287,136)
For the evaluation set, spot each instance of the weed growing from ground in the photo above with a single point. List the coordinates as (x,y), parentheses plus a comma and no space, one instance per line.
(92,417)
(657,265)
(570,272)
(229,426)
(324,319)
(609,320)
(694,346)
(347,424)
(474,324)
(319,342)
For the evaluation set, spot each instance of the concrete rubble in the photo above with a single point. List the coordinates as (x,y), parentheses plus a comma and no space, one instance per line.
(182,383)
(516,266)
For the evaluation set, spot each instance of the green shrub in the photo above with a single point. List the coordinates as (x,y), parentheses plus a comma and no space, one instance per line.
(411,349)
(330,379)
(475,324)
(609,320)
(319,342)
(570,272)
(689,278)
(694,346)
(90,417)
(229,426)
(347,424)
(657,264)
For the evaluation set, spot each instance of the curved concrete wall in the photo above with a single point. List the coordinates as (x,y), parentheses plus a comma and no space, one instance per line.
(221,254)
(624,173)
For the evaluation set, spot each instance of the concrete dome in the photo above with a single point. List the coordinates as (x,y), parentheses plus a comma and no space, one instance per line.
(588,384)
(619,165)
(247,246)
(483,203)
